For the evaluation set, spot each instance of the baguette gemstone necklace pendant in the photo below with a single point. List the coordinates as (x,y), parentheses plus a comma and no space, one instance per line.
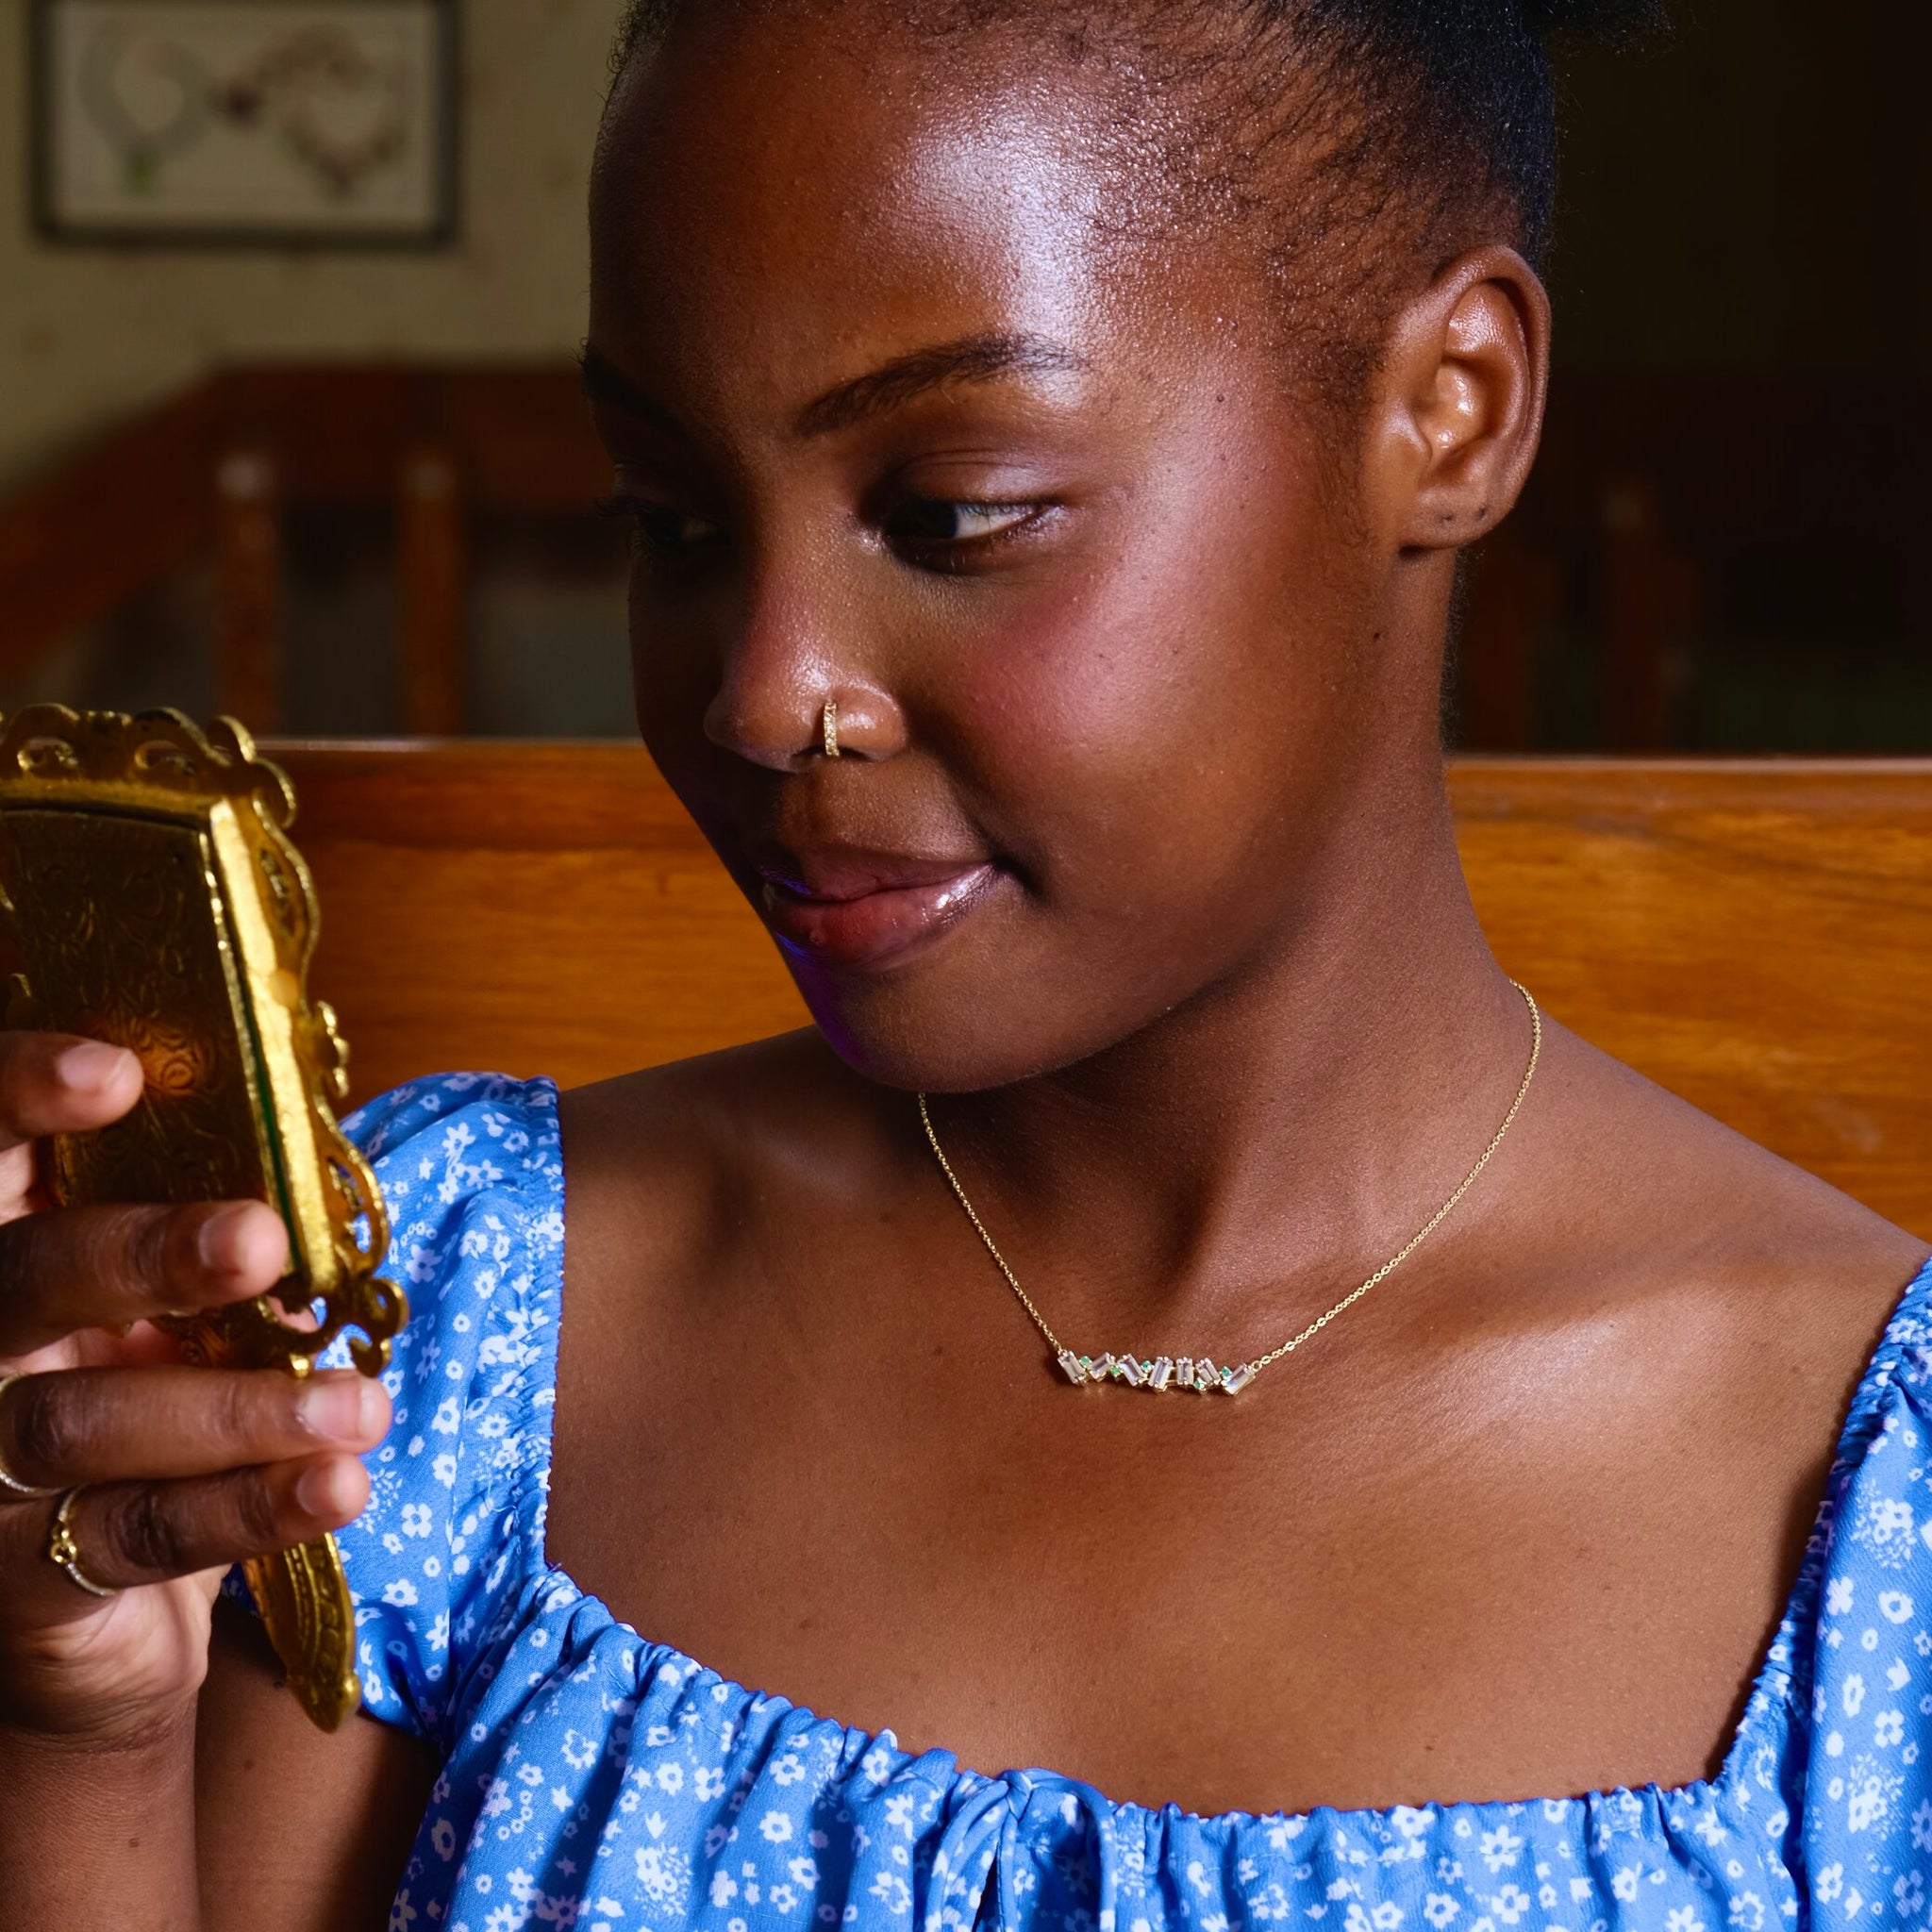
(1198,1373)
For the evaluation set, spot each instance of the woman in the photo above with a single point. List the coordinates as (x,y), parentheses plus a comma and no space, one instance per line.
(1051,431)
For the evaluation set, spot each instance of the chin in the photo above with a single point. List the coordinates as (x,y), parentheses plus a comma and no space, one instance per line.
(973,1019)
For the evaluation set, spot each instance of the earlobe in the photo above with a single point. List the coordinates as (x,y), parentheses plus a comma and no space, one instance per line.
(1472,365)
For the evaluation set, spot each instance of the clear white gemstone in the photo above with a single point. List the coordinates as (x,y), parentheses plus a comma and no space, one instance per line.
(1102,1363)
(1129,1371)
(1206,1374)
(1184,1371)
(1234,1380)
(1070,1363)
(1161,1372)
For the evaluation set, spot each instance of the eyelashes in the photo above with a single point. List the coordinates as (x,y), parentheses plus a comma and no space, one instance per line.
(658,528)
(944,520)
(936,532)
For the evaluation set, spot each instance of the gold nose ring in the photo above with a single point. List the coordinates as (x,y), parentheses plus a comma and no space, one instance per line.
(828,727)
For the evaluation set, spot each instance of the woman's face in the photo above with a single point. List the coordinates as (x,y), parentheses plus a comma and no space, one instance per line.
(923,404)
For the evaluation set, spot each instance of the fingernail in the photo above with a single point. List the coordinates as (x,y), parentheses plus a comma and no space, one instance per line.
(90,1065)
(337,1409)
(322,1490)
(218,1241)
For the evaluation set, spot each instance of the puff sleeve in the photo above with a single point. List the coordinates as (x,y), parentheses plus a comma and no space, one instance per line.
(453,1533)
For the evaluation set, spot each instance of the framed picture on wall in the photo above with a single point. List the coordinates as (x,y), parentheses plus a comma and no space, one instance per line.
(249,122)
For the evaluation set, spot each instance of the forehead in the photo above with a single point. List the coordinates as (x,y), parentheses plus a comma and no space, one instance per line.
(783,195)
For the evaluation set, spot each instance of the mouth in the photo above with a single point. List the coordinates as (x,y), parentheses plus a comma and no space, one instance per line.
(869,910)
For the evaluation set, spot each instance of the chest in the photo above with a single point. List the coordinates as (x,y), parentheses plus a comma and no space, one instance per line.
(1377,1576)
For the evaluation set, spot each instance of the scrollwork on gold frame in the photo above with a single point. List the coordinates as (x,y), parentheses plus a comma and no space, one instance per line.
(158,766)
(158,902)
(151,753)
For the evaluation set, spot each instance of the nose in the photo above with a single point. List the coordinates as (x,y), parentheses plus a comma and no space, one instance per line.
(794,653)
(768,720)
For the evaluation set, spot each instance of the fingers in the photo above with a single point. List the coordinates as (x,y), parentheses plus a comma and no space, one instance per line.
(101,1425)
(54,1083)
(100,1267)
(128,1534)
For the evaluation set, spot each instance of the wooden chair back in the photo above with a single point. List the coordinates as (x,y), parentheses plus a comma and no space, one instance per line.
(1657,503)
(1755,935)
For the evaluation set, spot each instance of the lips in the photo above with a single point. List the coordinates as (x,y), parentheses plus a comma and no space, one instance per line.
(868,910)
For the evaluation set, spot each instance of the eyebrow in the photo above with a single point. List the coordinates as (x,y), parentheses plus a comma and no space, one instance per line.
(972,359)
(603,382)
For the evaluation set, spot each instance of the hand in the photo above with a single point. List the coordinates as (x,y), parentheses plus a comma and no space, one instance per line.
(186,1470)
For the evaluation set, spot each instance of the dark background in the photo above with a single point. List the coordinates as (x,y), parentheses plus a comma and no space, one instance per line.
(1724,546)
(1722,549)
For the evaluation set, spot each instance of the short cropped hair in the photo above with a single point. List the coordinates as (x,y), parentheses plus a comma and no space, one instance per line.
(1363,143)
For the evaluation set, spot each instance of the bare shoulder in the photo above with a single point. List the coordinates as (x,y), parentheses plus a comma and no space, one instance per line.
(787,1072)
(672,1173)
(704,1129)
(1760,1277)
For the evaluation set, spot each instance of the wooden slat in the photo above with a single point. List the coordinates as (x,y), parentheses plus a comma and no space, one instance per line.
(1755,935)
(1732,468)
(249,682)
(521,433)
(117,517)
(1512,593)
(1647,598)
(132,506)
(532,907)
(431,558)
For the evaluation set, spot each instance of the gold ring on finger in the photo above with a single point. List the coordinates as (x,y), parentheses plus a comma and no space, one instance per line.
(63,1550)
(8,1481)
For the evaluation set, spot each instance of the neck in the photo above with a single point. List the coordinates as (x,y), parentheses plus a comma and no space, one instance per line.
(1258,1150)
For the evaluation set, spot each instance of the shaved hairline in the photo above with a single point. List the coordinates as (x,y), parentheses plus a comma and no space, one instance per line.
(1263,115)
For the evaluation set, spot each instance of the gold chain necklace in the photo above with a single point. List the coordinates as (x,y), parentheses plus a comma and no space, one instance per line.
(1186,1371)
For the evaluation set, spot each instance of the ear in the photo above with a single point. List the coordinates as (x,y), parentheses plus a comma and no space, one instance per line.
(1461,400)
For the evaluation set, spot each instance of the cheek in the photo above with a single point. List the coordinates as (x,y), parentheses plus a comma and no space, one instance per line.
(1163,718)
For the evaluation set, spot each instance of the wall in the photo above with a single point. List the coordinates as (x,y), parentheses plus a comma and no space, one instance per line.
(1750,193)
(1747,193)
(88,335)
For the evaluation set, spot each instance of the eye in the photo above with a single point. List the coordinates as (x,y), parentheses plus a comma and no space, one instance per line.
(923,520)
(661,530)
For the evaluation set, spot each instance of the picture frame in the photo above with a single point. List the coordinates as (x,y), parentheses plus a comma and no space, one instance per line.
(245,123)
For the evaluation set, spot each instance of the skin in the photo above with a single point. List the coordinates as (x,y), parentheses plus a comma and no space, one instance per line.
(1210,1030)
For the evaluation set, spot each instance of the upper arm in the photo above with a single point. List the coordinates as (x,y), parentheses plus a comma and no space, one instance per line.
(297,1829)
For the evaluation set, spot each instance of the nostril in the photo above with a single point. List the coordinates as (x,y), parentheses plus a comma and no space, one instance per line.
(774,736)
(786,731)
(857,720)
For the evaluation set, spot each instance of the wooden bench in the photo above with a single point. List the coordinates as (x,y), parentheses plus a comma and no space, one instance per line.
(1755,935)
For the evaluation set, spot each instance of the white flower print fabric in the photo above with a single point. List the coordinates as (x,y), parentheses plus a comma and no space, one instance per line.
(593,1780)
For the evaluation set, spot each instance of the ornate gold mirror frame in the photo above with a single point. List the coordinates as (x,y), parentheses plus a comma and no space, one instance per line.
(155,902)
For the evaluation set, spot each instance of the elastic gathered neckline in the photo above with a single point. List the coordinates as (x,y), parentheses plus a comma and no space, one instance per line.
(591,1776)
(1779,1683)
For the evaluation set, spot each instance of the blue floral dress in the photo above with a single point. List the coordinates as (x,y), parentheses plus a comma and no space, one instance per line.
(594,1779)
